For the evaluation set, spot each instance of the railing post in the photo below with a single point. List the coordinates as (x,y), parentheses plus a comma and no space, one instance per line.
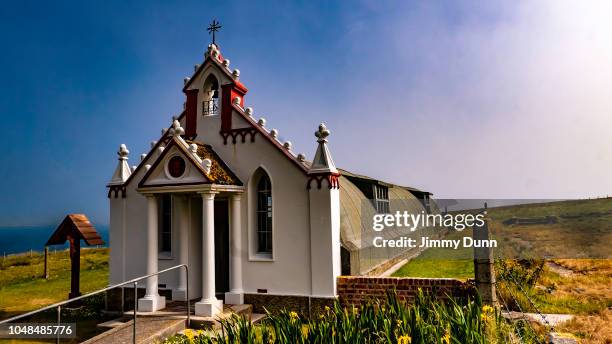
(187,297)
(59,322)
(135,311)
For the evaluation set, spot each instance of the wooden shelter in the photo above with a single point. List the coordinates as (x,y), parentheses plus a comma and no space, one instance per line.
(74,228)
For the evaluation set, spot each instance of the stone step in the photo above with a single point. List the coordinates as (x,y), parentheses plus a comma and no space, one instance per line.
(198,322)
(257,317)
(114,323)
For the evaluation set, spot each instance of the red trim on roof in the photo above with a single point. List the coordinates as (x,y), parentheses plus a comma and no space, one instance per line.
(212,60)
(265,134)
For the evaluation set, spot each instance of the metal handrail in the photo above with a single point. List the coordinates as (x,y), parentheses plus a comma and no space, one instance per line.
(132,281)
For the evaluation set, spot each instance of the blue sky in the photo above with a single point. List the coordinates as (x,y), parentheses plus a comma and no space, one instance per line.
(466,99)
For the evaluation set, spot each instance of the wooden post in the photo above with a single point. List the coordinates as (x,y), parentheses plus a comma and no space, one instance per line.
(46,274)
(75,254)
(484,274)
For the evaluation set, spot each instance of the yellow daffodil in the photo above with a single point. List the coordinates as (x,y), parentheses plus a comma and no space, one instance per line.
(446,338)
(190,334)
(405,339)
(487,309)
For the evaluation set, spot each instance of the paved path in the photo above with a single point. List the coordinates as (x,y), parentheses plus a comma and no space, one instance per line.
(148,330)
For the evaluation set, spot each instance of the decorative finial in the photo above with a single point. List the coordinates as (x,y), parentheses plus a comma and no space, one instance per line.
(322,161)
(236,100)
(196,67)
(301,157)
(123,152)
(123,171)
(274,133)
(194,148)
(207,164)
(213,28)
(186,80)
(262,122)
(153,143)
(226,63)
(143,156)
(249,111)
(287,145)
(236,73)
(176,129)
(322,133)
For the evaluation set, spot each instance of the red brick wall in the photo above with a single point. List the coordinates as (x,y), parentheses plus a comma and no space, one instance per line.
(357,289)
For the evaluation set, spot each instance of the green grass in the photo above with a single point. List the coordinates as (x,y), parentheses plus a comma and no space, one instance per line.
(441,262)
(584,229)
(438,268)
(23,288)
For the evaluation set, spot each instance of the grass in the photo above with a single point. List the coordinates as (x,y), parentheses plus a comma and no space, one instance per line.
(441,262)
(23,288)
(584,229)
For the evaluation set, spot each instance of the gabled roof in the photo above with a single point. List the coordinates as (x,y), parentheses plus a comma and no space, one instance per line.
(219,173)
(218,61)
(251,121)
(77,225)
(352,175)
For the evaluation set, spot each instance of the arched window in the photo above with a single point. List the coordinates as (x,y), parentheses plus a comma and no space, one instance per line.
(264,214)
(210,104)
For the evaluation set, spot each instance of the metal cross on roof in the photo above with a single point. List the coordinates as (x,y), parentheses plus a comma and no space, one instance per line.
(212,28)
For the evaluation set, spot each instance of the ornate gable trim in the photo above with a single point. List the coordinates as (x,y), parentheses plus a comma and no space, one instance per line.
(174,143)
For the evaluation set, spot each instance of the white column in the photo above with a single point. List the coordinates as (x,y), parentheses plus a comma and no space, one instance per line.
(151,301)
(236,295)
(181,203)
(209,305)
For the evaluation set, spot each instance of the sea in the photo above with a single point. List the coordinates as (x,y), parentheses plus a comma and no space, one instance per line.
(23,239)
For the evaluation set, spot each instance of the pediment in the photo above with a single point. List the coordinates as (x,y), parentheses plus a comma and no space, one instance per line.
(176,165)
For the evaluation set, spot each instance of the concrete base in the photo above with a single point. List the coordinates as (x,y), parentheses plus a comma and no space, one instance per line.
(151,303)
(208,308)
(233,298)
(179,294)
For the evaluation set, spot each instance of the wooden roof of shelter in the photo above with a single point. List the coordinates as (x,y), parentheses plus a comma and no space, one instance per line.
(75,224)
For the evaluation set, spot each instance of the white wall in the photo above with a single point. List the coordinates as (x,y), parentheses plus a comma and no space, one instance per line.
(288,272)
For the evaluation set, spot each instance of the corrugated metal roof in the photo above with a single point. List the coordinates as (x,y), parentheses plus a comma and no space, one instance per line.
(356,234)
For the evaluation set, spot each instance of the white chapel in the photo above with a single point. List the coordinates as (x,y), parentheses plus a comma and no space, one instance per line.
(219,192)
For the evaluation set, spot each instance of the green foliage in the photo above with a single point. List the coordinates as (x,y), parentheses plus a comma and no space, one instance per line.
(525,272)
(426,320)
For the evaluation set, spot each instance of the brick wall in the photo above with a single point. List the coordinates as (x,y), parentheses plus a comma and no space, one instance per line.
(353,290)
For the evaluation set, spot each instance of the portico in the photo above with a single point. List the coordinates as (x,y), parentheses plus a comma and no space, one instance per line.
(210,303)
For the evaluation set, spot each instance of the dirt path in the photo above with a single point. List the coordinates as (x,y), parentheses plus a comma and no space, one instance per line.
(559,269)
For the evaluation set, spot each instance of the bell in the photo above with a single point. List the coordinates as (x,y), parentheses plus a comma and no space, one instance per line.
(216,94)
